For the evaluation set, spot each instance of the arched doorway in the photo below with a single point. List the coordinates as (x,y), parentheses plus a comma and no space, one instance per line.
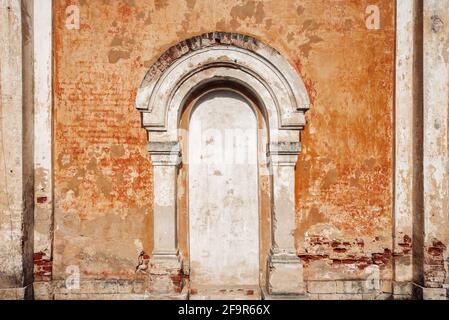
(238,61)
(223,192)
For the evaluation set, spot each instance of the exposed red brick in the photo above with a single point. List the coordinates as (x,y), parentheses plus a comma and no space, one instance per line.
(364,262)
(43,267)
(382,259)
(434,270)
(406,244)
(38,255)
(335,244)
(41,200)
(310,257)
(193,291)
(360,243)
(436,249)
(344,261)
(199,42)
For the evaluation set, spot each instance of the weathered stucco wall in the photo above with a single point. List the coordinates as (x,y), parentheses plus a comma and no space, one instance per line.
(344,174)
(102,178)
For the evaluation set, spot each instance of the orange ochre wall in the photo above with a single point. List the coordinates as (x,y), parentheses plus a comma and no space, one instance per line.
(102,171)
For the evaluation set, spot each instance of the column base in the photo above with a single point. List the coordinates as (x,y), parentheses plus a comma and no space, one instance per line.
(166,275)
(422,293)
(285,276)
(402,290)
(25,293)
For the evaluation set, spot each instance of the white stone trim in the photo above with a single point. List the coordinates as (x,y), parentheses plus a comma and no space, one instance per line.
(16,169)
(436,148)
(404,132)
(436,101)
(263,69)
(43,126)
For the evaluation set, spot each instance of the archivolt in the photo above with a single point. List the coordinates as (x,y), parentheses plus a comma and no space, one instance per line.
(221,57)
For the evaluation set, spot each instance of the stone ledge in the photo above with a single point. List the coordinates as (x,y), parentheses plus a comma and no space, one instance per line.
(166,148)
(113,289)
(126,290)
(348,289)
(284,148)
(322,287)
(183,295)
(348,296)
(100,296)
(91,289)
(267,296)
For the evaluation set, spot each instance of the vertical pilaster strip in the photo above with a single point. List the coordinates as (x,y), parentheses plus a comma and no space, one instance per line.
(43,188)
(166,159)
(285,269)
(436,169)
(283,158)
(404,149)
(16,152)
(166,271)
(28,140)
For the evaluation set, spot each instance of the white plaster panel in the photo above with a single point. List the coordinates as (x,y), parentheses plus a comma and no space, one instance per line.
(223,192)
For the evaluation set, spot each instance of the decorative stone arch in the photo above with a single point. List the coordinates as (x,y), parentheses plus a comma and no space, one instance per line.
(282,96)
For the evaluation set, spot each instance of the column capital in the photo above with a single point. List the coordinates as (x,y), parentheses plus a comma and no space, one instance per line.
(284,152)
(165,153)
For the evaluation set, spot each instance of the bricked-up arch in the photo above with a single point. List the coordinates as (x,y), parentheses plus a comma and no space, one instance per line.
(233,60)
(222,56)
